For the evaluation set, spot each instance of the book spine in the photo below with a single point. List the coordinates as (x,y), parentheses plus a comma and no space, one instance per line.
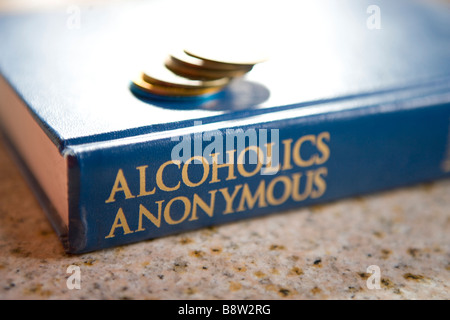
(147,187)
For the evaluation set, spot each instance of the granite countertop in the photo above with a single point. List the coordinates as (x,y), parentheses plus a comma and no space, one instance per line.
(320,252)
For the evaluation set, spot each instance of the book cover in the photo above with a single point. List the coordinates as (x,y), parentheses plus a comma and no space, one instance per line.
(355,98)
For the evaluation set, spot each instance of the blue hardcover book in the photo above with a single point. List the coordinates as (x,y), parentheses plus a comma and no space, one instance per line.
(354,99)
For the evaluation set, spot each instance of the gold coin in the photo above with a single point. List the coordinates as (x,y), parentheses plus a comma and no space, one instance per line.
(182,58)
(194,72)
(158,74)
(173,91)
(226,54)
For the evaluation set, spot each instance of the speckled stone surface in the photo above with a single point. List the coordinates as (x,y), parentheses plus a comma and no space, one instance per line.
(321,252)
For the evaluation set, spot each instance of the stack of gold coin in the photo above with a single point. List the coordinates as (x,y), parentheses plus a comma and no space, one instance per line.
(192,73)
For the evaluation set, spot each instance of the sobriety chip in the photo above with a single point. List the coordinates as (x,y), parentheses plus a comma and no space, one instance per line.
(192,73)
